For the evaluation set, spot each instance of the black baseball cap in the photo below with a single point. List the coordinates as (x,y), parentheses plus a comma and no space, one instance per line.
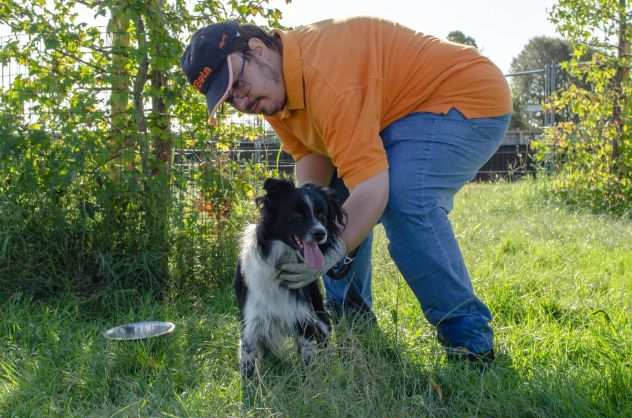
(205,61)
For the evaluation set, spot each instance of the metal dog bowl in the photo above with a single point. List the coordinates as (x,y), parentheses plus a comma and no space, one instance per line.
(139,330)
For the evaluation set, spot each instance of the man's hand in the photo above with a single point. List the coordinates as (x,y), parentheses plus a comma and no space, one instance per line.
(298,275)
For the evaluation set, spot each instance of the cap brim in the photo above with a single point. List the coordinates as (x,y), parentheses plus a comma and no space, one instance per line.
(220,87)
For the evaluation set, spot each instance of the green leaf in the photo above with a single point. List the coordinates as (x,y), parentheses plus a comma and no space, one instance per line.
(51,42)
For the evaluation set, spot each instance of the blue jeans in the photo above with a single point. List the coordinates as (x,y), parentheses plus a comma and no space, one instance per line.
(431,156)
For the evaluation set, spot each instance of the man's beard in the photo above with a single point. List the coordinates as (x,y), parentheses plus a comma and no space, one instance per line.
(275,76)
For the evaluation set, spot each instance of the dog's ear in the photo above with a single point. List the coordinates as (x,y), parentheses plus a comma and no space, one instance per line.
(275,190)
(274,186)
(338,216)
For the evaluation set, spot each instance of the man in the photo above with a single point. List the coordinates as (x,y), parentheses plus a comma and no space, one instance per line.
(397,120)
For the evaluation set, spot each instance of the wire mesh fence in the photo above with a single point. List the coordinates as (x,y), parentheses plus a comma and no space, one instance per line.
(213,185)
(511,160)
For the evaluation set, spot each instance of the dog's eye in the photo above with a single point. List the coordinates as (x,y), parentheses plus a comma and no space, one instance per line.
(301,212)
(295,216)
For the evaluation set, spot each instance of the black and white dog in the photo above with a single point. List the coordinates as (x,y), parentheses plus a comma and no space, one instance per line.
(296,224)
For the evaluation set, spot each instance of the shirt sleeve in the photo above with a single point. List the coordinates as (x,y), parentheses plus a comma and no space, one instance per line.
(352,134)
(289,142)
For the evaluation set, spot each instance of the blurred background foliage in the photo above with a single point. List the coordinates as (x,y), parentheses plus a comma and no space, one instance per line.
(111,182)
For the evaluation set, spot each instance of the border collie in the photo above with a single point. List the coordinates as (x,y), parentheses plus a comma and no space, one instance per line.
(296,224)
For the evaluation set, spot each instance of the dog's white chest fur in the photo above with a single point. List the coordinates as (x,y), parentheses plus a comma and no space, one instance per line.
(296,225)
(270,311)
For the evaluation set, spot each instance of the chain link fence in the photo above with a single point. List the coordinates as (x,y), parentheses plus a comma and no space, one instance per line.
(510,161)
(214,182)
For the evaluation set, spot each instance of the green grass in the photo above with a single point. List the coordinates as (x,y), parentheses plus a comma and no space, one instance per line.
(559,284)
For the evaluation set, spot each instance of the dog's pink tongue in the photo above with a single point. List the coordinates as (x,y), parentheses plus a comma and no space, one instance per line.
(313,257)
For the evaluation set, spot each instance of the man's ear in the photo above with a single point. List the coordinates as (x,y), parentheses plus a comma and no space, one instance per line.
(256,46)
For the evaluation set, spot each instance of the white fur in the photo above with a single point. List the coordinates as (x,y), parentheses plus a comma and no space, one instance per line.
(270,312)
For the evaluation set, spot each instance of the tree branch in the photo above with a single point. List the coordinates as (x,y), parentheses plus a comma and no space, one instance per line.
(79,60)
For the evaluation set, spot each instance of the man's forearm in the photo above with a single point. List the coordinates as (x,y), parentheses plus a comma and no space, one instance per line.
(314,168)
(364,207)
(365,204)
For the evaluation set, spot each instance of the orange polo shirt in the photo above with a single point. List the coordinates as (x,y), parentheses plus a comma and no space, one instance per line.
(347,80)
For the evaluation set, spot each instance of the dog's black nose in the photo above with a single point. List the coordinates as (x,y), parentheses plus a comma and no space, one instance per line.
(319,235)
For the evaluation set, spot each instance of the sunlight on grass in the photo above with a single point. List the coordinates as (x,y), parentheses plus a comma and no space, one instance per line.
(559,284)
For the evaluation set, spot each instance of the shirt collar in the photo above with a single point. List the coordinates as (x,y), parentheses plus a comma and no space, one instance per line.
(292,74)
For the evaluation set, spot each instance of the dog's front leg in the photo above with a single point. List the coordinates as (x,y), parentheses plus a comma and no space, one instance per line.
(249,354)
(306,349)
(309,337)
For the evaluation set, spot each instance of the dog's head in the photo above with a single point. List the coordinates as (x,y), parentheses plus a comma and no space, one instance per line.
(306,218)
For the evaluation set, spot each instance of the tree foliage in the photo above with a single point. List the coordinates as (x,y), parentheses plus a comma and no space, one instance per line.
(595,146)
(530,88)
(461,38)
(87,134)
(539,51)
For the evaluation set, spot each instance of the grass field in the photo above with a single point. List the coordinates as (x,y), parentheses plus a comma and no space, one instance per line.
(559,284)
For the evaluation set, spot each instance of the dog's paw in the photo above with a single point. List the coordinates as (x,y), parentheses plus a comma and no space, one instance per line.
(307,349)
(248,354)
(247,369)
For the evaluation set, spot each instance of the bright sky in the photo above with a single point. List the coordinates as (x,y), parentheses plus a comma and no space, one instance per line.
(501,28)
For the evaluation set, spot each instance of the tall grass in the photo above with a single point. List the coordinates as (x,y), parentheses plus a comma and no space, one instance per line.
(558,282)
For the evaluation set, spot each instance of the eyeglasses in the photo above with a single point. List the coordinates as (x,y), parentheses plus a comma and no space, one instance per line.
(239,87)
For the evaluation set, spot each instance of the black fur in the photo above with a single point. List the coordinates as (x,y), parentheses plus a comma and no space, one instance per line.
(283,210)
(286,213)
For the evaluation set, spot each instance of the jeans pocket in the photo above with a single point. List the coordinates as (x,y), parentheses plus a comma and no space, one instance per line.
(490,129)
